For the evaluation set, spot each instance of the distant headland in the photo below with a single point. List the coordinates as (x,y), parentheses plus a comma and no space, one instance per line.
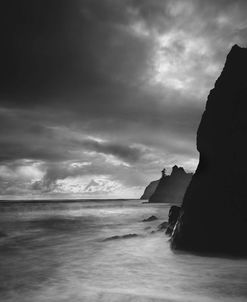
(169,188)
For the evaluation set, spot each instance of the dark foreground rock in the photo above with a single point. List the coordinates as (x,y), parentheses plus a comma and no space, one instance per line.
(150,189)
(151,218)
(213,218)
(171,188)
(172,219)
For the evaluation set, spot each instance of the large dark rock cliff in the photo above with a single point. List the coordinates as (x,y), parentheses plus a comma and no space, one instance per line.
(213,217)
(171,188)
(149,190)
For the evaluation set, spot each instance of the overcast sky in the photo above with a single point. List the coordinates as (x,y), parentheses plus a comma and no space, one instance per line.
(98,96)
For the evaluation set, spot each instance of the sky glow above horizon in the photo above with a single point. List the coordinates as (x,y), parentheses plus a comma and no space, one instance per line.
(97,97)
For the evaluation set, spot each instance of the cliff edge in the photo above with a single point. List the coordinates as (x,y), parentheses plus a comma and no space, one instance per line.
(213,216)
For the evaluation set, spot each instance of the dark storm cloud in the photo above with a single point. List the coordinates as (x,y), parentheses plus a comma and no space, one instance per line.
(130,154)
(23,138)
(61,47)
(132,74)
(37,51)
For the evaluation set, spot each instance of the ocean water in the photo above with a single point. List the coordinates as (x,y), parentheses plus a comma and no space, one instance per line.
(65,251)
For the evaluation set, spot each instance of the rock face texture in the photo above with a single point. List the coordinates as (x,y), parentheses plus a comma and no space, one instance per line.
(171,188)
(172,219)
(213,217)
(150,189)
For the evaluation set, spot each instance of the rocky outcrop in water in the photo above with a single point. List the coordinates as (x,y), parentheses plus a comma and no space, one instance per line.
(169,225)
(172,219)
(213,216)
(127,236)
(162,226)
(171,188)
(151,218)
(149,190)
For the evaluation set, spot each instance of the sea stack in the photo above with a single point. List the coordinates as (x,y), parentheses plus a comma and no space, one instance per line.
(171,188)
(213,217)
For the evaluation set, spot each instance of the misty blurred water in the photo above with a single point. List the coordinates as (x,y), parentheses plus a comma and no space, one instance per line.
(58,252)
